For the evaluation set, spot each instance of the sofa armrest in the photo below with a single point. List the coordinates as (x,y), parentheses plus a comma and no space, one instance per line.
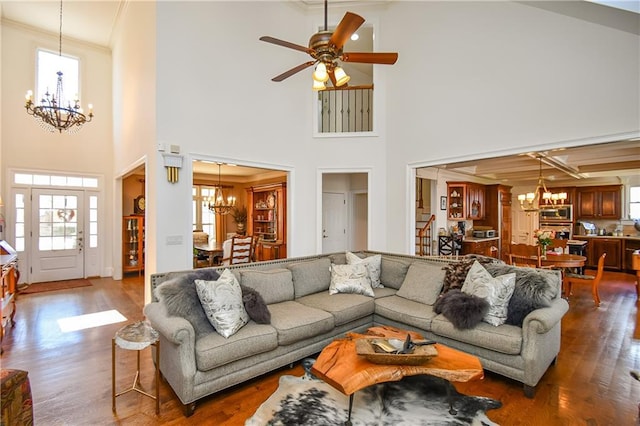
(544,319)
(177,330)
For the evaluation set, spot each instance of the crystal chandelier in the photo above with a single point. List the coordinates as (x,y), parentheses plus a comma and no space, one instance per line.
(52,114)
(220,204)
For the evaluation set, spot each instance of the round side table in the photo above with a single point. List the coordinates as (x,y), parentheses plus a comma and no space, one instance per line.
(135,337)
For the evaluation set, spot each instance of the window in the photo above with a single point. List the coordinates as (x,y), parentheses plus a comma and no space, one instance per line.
(203,218)
(49,64)
(634,202)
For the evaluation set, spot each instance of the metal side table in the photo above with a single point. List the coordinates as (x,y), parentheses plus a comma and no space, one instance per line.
(135,337)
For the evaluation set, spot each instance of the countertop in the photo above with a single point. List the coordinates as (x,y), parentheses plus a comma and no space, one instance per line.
(624,237)
(479,240)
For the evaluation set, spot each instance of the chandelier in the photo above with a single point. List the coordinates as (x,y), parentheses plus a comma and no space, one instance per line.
(52,113)
(220,204)
(530,202)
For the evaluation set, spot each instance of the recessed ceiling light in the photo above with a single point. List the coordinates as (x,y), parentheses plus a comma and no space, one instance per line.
(355,36)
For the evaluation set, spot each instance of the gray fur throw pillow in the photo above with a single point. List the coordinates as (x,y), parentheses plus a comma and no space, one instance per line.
(255,305)
(178,294)
(533,291)
(464,310)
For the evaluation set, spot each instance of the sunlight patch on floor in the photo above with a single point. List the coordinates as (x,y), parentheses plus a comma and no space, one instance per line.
(81,322)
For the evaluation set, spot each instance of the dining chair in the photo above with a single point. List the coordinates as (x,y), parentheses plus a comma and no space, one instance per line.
(557,242)
(593,281)
(525,255)
(240,250)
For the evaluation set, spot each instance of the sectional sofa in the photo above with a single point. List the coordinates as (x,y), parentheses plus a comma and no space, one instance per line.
(196,361)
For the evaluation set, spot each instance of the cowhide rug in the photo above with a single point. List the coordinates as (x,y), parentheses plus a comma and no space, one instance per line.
(416,400)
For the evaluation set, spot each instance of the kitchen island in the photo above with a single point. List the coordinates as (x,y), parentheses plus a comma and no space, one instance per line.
(487,246)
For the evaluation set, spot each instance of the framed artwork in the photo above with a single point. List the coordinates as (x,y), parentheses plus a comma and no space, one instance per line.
(443,202)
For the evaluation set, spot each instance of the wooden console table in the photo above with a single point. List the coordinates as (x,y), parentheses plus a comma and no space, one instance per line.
(10,275)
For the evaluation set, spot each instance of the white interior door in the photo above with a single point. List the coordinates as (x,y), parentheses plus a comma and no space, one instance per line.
(334,222)
(524,224)
(57,235)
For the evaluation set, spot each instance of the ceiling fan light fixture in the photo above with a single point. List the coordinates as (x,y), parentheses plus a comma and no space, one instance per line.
(318,85)
(320,74)
(341,77)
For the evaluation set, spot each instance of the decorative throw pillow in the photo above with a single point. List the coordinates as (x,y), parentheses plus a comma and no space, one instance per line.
(373,266)
(497,291)
(456,273)
(180,298)
(222,302)
(535,288)
(255,305)
(350,279)
(422,283)
(464,310)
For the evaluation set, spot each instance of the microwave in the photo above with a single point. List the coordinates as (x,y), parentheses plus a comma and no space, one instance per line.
(562,213)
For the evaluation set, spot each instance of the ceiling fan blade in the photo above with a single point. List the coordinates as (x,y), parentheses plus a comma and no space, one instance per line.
(288,44)
(292,71)
(349,24)
(388,58)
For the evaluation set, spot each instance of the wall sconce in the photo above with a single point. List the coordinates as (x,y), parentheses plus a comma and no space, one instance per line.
(173,163)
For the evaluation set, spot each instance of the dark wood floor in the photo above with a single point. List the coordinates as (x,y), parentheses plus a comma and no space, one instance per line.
(71,372)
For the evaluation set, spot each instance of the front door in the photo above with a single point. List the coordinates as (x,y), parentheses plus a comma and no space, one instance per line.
(57,242)
(334,222)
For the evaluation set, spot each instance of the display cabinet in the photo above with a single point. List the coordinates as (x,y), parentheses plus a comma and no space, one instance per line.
(133,244)
(465,200)
(267,219)
(9,286)
(456,201)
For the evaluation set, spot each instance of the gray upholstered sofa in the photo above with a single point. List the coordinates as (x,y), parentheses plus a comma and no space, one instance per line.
(305,318)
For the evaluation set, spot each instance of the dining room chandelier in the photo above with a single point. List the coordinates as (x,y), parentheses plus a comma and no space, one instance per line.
(530,201)
(53,114)
(219,204)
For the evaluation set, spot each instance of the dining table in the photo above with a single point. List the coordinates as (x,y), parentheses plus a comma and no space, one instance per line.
(213,250)
(564,262)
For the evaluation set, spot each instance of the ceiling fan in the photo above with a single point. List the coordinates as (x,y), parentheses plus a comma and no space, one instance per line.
(325,47)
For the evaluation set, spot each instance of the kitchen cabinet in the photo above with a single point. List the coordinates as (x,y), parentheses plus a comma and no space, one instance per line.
(465,200)
(599,202)
(629,246)
(611,246)
(133,244)
(482,246)
(267,219)
(497,215)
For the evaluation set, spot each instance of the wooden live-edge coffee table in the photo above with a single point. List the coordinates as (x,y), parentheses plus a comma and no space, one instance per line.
(340,366)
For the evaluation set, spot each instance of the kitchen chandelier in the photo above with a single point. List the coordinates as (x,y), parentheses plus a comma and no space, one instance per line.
(221,205)
(52,113)
(530,202)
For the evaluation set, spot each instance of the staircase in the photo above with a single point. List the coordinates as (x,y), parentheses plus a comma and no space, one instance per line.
(424,234)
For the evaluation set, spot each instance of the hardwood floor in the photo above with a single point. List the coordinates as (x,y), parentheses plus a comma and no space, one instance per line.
(70,372)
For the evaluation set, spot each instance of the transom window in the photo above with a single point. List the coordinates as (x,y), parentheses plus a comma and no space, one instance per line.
(634,202)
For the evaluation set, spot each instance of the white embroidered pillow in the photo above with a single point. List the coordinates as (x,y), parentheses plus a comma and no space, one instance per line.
(497,291)
(350,279)
(222,302)
(373,266)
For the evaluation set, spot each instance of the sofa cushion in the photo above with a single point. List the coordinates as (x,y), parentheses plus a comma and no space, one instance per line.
(179,296)
(213,350)
(422,283)
(534,289)
(274,285)
(344,307)
(353,279)
(496,290)
(384,292)
(310,276)
(463,310)
(405,311)
(393,271)
(295,321)
(372,263)
(222,302)
(505,338)
(338,258)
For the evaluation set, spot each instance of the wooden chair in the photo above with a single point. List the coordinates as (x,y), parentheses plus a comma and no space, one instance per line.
(525,255)
(240,250)
(556,242)
(200,259)
(593,281)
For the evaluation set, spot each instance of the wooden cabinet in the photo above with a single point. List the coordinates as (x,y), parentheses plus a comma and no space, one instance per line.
(465,200)
(133,244)
(599,202)
(611,246)
(484,247)
(497,215)
(628,247)
(267,219)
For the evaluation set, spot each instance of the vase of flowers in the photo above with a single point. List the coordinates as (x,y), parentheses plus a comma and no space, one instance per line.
(544,239)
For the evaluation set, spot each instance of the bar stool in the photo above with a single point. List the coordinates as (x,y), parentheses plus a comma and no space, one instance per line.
(135,337)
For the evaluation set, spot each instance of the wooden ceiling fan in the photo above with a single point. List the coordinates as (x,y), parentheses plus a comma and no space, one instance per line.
(325,47)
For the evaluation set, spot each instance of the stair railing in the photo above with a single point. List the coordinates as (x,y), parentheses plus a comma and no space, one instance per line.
(424,238)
